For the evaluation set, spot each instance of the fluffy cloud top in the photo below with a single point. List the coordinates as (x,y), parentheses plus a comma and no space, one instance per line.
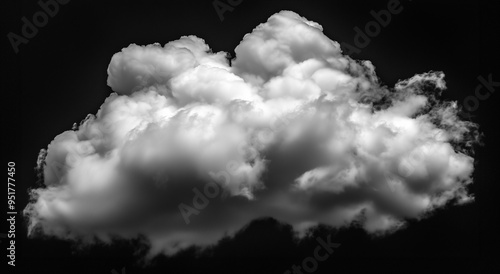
(293,129)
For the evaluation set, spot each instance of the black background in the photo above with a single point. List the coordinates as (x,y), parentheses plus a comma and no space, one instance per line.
(60,76)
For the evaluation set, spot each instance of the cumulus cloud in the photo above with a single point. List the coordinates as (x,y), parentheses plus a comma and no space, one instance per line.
(291,128)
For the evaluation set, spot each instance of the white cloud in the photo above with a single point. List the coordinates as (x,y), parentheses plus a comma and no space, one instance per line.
(343,145)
